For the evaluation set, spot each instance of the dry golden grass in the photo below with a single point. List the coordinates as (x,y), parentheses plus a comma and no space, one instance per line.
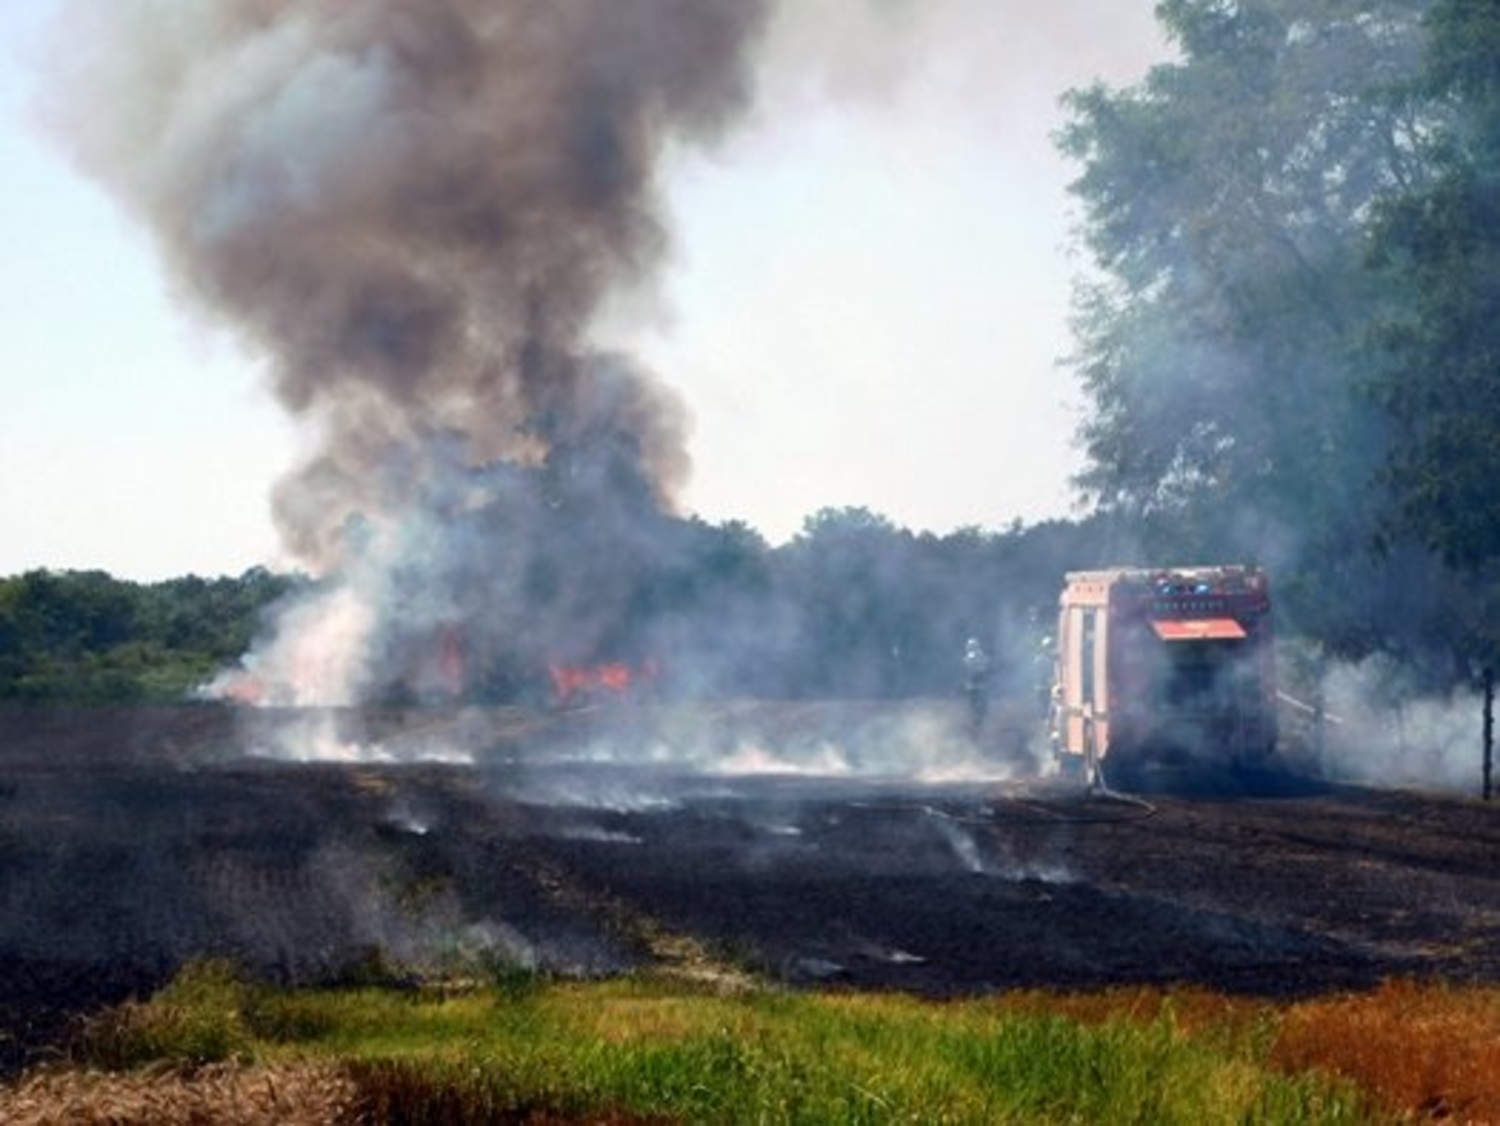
(1430,1050)
(258,1095)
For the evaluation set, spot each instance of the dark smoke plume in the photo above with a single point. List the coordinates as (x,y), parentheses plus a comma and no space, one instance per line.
(415,209)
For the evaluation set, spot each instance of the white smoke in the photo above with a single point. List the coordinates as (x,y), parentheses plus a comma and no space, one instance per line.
(1382,729)
(340,735)
(316,658)
(824,760)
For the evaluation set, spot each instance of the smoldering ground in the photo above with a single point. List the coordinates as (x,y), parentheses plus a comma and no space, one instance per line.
(132,845)
(429,840)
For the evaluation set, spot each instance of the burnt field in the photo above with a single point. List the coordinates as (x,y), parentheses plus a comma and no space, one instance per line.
(835,845)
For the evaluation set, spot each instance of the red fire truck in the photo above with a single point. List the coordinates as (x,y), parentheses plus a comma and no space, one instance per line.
(1163,666)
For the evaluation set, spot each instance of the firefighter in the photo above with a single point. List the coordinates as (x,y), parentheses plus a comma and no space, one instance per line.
(976,683)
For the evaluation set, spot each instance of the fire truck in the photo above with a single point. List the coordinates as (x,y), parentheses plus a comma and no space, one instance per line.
(1163,667)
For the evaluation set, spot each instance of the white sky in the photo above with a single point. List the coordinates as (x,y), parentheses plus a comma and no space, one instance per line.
(866,306)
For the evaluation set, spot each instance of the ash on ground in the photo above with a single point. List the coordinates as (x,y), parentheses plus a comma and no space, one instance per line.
(803,843)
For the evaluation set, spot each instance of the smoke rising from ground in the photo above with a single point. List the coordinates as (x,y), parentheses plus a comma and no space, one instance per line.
(1383,729)
(415,211)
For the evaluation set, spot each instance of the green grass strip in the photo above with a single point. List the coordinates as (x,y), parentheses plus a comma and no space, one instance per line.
(647,1049)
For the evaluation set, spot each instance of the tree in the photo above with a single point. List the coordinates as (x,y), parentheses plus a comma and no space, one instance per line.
(1225,204)
(1440,243)
(85,637)
(845,574)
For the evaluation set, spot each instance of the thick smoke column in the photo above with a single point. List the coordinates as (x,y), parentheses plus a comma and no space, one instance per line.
(416,209)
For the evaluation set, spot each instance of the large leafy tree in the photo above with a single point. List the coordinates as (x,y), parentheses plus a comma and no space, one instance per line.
(1441,345)
(1225,203)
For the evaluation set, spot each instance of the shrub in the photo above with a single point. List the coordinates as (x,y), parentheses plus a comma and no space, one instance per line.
(200,1017)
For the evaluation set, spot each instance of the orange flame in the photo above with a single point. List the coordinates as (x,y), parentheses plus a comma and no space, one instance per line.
(580,683)
(450,662)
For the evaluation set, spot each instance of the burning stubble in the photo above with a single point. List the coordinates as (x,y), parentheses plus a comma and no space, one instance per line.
(415,210)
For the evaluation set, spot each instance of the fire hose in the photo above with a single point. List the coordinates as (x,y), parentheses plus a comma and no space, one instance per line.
(1310,709)
(1031,810)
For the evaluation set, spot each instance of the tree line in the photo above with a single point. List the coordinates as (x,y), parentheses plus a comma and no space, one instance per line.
(87,637)
(851,606)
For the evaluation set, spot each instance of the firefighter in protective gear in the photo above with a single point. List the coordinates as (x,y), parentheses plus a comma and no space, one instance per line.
(976,683)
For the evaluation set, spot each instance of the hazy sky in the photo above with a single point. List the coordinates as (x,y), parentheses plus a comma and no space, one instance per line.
(866,303)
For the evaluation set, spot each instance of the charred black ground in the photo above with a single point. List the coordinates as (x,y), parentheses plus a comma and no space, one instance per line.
(579,843)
